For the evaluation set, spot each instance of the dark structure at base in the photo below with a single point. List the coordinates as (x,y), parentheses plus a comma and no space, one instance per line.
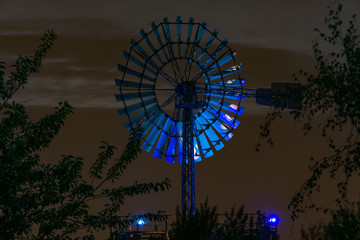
(257,227)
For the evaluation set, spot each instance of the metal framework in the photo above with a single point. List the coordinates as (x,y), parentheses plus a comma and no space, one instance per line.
(253,226)
(188,166)
(182,85)
(188,102)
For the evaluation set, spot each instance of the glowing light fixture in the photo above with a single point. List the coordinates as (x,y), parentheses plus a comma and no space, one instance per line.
(273,219)
(140,222)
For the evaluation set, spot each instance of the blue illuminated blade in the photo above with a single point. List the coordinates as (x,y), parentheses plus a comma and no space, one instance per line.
(203,142)
(222,60)
(151,122)
(140,117)
(208,44)
(191,24)
(130,96)
(231,70)
(220,128)
(235,82)
(138,62)
(168,35)
(229,83)
(170,154)
(225,118)
(230,120)
(124,83)
(211,39)
(171,150)
(201,55)
(208,116)
(143,53)
(221,46)
(227,58)
(200,34)
(149,43)
(154,134)
(197,156)
(227,106)
(223,130)
(178,27)
(124,69)
(135,107)
(179,127)
(215,140)
(159,39)
(160,147)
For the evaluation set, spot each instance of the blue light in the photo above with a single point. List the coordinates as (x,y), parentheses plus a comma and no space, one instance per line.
(273,219)
(140,222)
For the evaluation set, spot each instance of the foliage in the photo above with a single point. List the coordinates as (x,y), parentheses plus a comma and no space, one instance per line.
(257,228)
(201,226)
(234,225)
(52,201)
(344,225)
(205,225)
(331,102)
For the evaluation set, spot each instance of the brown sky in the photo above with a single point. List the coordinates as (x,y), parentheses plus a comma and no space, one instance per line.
(272,40)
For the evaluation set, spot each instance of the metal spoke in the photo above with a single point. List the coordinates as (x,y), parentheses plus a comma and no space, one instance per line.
(176,112)
(164,89)
(168,78)
(199,75)
(179,71)
(191,53)
(160,71)
(171,54)
(208,67)
(168,101)
(149,89)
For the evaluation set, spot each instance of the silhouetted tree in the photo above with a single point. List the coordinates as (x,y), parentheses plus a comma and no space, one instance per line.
(331,101)
(234,225)
(202,226)
(344,225)
(52,201)
(258,228)
(205,225)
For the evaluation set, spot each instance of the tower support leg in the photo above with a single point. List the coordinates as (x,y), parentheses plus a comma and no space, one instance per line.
(188,164)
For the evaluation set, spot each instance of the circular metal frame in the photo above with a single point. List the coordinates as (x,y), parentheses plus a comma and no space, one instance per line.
(178,65)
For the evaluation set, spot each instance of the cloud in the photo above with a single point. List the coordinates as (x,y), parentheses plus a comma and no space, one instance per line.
(274,24)
(81,67)
(4,32)
(80,92)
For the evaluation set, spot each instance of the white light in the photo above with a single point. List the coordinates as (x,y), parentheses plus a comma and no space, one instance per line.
(233,106)
(140,222)
(272,220)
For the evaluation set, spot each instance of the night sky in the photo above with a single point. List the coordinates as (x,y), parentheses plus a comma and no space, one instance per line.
(272,40)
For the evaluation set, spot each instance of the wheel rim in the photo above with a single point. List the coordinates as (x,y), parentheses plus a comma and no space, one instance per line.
(172,61)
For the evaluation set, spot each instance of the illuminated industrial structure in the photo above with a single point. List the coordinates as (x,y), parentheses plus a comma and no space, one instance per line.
(181,84)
